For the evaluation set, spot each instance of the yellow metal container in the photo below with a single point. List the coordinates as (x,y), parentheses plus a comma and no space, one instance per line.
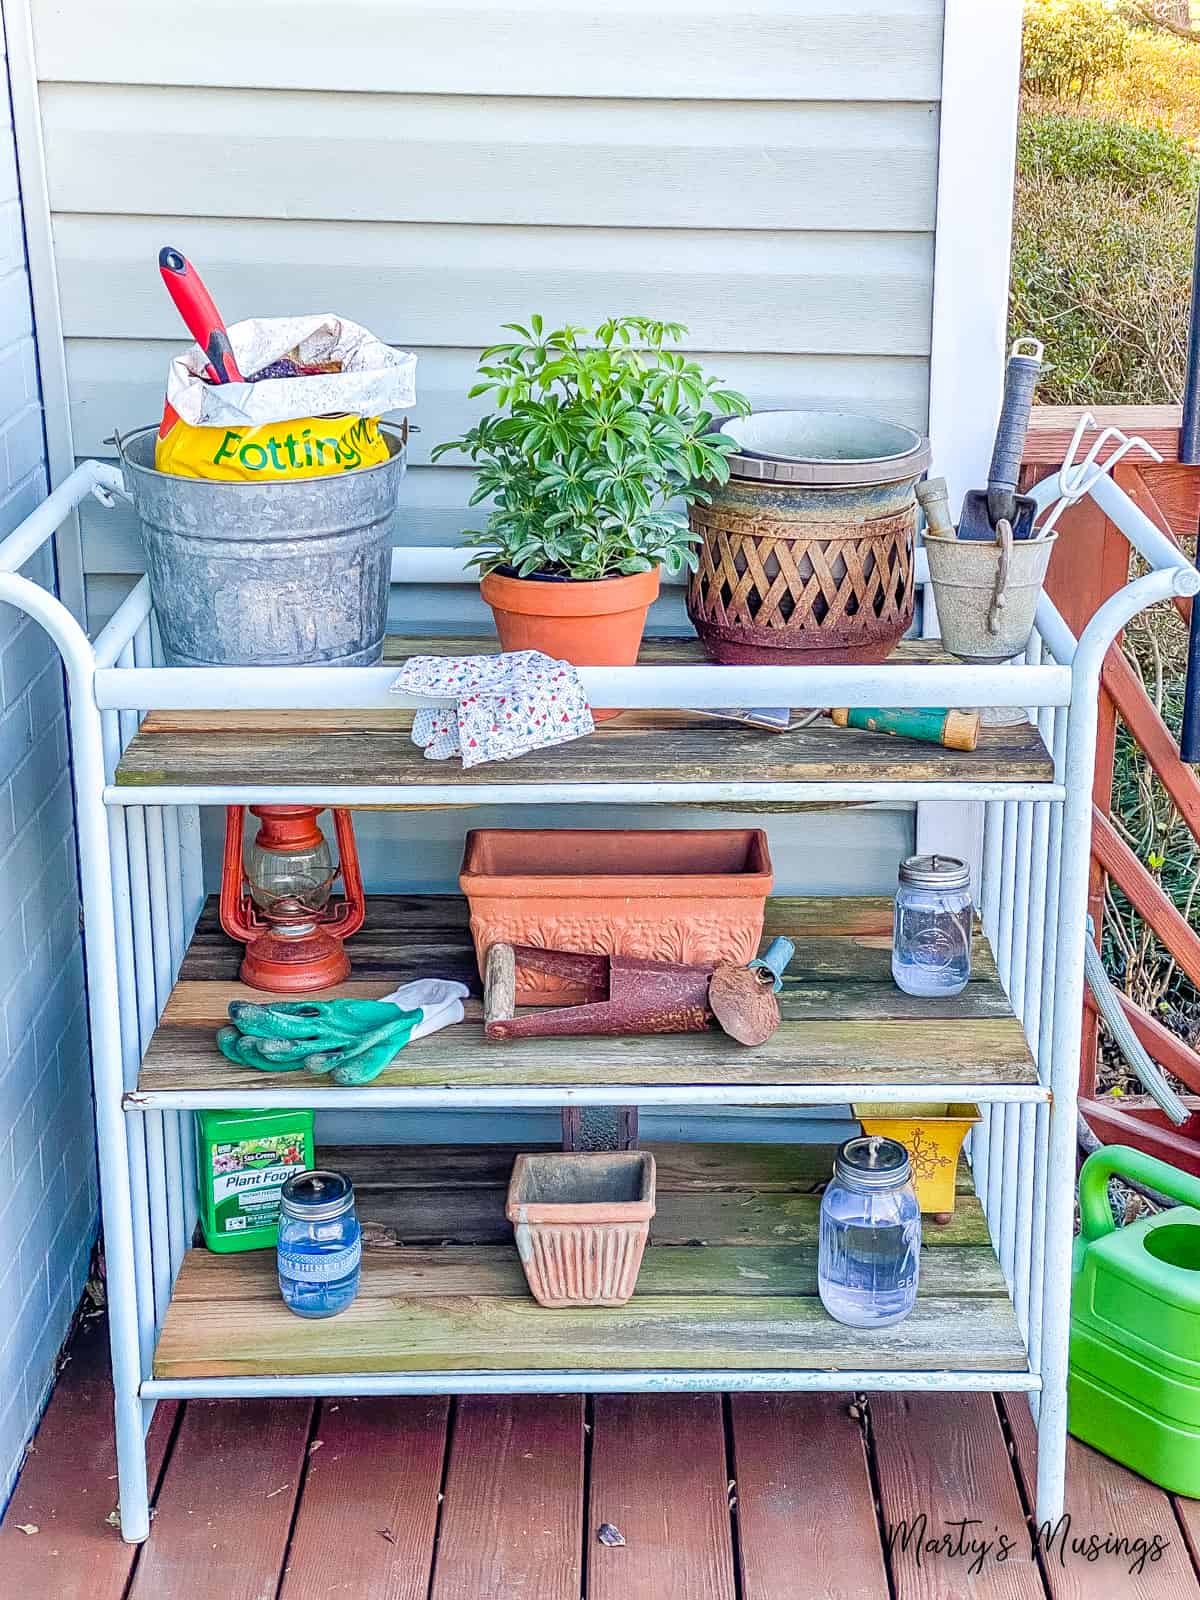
(933,1136)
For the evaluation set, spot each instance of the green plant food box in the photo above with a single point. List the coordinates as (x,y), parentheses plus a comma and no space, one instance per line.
(243,1159)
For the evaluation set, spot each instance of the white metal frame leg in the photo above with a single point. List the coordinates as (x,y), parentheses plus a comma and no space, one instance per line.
(91,821)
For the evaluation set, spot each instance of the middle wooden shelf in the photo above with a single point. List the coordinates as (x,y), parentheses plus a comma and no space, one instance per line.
(846,1029)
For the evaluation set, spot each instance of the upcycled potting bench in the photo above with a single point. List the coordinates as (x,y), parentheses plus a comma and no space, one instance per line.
(727,1296)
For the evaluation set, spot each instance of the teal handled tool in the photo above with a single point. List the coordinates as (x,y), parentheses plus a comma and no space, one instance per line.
(774,961)
(742,998)
(1134,1385)
(956,730)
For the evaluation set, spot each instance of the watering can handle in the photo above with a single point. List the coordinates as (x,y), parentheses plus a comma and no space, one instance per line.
(1119,1161)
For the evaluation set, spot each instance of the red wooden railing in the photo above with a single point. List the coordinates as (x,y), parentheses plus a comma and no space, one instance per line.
(1090,563)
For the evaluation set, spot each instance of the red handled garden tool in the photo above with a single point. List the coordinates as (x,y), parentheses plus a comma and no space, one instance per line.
(629,995)
(203,321)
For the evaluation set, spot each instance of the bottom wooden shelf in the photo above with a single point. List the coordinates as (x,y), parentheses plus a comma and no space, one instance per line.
(728,1282)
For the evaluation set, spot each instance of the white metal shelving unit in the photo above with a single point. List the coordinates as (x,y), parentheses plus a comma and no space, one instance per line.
(143,890)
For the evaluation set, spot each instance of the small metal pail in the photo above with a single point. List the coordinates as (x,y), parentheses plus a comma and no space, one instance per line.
(987,594)
(294,572)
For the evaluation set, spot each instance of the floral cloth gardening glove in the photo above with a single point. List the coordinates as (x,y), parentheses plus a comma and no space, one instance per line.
(352,1040)
(504,705)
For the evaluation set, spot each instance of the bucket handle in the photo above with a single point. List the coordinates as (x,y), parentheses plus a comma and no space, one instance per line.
(1004,538)
(1119,1161)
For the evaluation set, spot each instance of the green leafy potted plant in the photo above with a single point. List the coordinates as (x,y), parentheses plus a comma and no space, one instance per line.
(595,436)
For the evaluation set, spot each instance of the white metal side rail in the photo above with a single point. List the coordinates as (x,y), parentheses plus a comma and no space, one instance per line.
(142,888)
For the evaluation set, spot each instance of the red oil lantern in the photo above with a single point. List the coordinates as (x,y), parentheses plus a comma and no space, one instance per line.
(277,899)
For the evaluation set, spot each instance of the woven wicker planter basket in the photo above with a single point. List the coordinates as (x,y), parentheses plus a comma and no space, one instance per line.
(769,588)
(806,553)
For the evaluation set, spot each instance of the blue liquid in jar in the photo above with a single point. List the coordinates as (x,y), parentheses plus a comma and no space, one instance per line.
(319,1254)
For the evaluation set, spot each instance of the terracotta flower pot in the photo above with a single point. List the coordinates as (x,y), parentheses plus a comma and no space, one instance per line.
(694,895)
(581,1224)
(590,623)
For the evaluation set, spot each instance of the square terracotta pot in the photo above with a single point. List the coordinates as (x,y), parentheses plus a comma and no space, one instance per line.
(694,895)
(581,1224)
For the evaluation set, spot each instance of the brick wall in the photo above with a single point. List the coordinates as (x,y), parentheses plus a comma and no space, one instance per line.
(47,1162)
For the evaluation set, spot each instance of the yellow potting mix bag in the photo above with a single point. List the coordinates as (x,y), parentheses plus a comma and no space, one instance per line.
(316,388)
(303,447)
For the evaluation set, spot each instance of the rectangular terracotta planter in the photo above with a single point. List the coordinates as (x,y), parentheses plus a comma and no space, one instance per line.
(693,895)
(581,1224)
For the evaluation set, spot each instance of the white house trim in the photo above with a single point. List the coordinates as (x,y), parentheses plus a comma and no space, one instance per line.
(981,80)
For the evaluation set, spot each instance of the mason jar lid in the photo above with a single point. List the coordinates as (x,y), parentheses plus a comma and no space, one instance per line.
(317,1196)
(935,872)
(872,1161)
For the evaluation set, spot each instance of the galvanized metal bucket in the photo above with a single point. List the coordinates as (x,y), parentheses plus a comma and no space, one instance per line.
(987,594)
(294,572)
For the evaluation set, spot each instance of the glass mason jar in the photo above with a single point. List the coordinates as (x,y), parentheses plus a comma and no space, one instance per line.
(320,1244)
(870,1241)
(931,927)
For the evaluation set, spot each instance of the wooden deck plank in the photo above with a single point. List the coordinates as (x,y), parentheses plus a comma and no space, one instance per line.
(67,1489)
(945,1456)
(1188,1512)
(670,1505)
(948,1053)
(701,752)
(366,1520)
(672,1333)
(393,1272)
(511,1520)
(804,1498)
(843,942)
(225,1507)
(805,1000)
(1105,1499)
(681,1168)
(738,1217)
(373,747)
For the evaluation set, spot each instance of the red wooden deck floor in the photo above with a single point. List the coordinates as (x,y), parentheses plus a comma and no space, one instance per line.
(750,1497)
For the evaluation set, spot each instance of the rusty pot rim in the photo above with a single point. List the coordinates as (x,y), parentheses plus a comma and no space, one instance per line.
(908,460)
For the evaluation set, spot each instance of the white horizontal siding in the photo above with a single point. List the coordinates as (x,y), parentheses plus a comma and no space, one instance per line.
(118,383)
(431,284)
(764,172)
(412,158)
(678,49)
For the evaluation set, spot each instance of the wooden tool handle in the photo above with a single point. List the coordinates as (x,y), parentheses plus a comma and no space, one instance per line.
(500,985)
(956,730)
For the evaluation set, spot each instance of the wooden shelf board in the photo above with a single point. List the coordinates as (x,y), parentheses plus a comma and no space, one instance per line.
(845,1022)
(728,1281)
(320,748)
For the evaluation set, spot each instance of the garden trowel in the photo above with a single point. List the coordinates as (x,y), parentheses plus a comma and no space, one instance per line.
(983,509)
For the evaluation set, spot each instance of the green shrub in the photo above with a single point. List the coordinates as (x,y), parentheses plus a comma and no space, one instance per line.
(1102,256)
(1156,85)
(1139,160)
(1070,44)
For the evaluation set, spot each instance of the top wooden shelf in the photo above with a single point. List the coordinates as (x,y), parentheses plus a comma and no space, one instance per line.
(679,755)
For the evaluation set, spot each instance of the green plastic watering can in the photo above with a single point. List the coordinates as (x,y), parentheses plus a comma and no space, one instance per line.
(1135,1323)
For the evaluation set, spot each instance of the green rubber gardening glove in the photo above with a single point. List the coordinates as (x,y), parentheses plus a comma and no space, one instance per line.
(351,1040)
